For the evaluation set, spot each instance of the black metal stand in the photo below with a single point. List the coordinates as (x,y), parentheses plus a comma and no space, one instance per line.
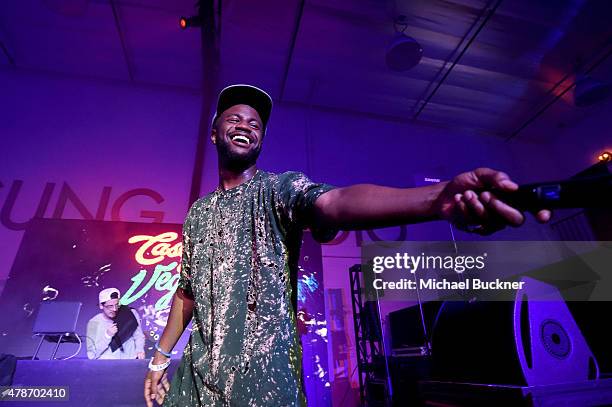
(61,338)
(42,338)
(373,388)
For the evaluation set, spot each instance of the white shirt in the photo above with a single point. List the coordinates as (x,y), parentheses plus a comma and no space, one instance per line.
(98,340)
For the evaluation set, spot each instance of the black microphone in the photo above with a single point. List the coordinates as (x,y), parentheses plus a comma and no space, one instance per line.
(580,192)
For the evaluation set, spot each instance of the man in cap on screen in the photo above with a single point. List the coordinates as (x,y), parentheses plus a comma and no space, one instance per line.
(240,249)
(102,328)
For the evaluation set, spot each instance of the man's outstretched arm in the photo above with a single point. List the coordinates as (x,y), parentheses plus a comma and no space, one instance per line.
(181,312)
(466,201)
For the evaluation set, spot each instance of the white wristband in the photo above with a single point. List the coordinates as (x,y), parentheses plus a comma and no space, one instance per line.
(157,368)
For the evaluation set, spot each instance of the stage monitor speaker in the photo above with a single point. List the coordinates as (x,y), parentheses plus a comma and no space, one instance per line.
(406,325)
(530,341)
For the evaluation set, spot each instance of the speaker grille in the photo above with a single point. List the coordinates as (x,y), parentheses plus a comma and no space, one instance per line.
(555,339)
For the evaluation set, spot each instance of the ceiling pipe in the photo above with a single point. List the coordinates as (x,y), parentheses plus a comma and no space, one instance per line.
(490,11)
(446,61)
(296,30)
(128,62)
(219,30)
(210,74)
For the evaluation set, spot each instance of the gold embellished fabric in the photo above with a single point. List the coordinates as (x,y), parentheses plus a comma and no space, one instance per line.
(240,254)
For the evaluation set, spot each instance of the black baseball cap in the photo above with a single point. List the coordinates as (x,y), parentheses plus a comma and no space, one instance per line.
(242,94)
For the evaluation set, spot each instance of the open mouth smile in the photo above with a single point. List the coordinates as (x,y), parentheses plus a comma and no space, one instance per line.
(240,140)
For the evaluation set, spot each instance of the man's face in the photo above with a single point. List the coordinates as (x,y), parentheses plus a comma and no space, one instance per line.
(110,307)
(238,136)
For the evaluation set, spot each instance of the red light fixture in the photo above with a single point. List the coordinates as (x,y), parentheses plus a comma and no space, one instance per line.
(605,157)
(186,22)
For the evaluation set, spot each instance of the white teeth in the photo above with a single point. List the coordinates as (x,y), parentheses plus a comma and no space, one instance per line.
(241,138)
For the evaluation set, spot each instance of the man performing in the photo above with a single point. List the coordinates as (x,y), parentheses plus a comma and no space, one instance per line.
(102,328)
(240,249)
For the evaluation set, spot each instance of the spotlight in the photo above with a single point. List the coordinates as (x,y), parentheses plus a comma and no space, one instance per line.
(186,22)
(403,52)
(605,157)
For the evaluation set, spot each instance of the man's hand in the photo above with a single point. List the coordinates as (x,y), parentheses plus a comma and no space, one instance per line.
(112,330)
(156,386)
(140,355)
(469,203)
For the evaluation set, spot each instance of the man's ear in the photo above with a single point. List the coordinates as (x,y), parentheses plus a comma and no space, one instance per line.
(101,306)
(213,135)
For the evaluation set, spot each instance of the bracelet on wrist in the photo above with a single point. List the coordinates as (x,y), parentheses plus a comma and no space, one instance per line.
(160,350)
(157,368)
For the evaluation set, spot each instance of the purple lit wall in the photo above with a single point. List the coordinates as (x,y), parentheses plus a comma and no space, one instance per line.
(577,146)
(101,140)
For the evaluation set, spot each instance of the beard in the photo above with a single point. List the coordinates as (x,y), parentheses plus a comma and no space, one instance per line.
(234,160)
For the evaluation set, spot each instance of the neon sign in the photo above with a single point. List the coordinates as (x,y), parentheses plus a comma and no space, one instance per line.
(155,250)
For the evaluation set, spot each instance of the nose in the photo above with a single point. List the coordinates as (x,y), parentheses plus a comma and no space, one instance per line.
(243,126)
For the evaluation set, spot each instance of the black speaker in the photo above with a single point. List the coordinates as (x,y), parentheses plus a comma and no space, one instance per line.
(407,325)
(593,318)
(525,342)
(8,363)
